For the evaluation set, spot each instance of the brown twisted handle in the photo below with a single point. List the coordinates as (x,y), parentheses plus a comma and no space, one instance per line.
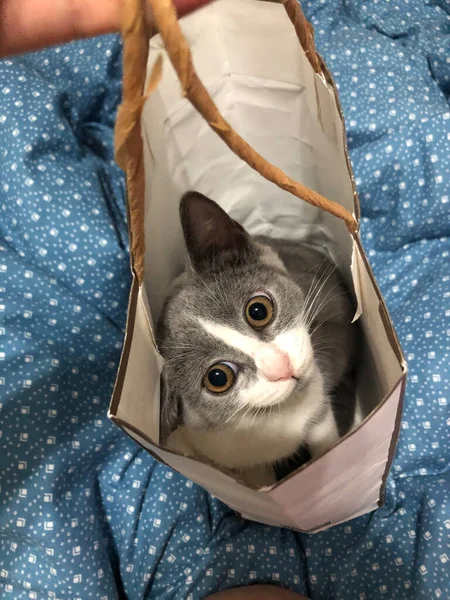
(304,31)
(180,56)
(128,139)
(129,145)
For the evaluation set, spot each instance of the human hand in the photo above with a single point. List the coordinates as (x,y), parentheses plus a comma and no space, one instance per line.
(257,592)
(32,24)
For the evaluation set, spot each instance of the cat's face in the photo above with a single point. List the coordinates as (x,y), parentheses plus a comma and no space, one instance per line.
(233,334)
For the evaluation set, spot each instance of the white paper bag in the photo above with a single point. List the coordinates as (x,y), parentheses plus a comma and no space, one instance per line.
(249,58)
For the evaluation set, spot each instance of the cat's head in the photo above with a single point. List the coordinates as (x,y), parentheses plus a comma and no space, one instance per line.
(233,333)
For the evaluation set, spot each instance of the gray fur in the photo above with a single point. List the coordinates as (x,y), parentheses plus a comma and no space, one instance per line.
(226,266)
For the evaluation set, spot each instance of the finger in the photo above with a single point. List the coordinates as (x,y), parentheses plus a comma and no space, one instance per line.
(183,7)
(32,24)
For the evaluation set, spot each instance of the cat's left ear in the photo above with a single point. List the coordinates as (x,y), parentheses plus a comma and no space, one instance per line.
(209,232)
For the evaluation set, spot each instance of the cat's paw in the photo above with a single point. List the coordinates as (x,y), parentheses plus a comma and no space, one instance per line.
(258,477)
(323,435)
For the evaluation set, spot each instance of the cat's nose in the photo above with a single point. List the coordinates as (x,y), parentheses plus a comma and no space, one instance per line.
(274,364)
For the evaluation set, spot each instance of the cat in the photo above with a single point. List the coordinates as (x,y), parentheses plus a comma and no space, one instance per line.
(258,348)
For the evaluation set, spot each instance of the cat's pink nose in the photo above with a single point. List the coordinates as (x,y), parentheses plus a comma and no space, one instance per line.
(274,364)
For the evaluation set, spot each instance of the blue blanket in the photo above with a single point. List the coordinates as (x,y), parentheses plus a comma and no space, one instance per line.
(84,513)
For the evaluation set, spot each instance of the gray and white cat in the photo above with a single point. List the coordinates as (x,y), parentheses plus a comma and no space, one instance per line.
(258,345)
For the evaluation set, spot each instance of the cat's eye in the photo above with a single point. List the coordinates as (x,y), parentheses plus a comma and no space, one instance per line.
(220,377)
(259,310)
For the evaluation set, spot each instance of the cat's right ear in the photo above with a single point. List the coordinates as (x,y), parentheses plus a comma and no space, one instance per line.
(209,232)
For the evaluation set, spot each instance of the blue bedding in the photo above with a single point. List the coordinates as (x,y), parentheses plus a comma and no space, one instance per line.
(84,513)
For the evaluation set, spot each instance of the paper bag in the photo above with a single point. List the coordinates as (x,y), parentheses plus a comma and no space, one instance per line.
(237,105)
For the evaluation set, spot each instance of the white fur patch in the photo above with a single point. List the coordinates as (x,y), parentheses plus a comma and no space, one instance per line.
(295,343)
(324,434)
(262,392)
(266,392)
(359,414)
(244,343)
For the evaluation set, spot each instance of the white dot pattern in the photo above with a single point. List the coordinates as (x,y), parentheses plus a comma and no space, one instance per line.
(86,514)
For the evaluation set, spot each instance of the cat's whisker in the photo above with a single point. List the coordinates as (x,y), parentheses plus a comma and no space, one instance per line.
(321,273)
(321,282)
(323,347)
(322,306)
(327,299)
(209,293)
(314,283)
(236,412)
(178,346)
(324,351)
(325,320)
(318,297)
(256,414)
(220,285)
(313,310)
(328,318)
(249,408)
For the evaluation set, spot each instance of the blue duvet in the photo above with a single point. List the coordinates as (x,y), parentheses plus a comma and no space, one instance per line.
(84,513)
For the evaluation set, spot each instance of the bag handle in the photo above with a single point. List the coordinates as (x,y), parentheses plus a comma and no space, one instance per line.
(304,31)
(129,145)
